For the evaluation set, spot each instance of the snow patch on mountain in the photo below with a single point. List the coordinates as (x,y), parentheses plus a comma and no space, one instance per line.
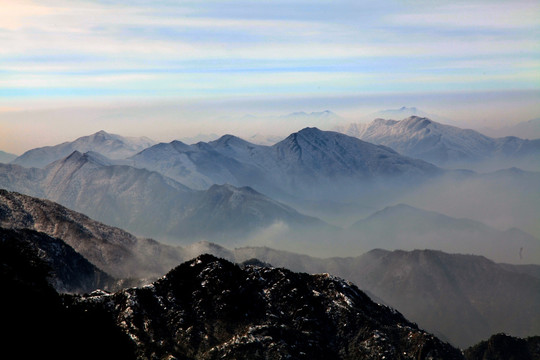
(426,139)
(110,145)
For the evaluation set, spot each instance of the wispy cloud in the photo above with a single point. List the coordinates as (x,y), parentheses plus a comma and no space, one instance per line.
(107,49)
(475,15)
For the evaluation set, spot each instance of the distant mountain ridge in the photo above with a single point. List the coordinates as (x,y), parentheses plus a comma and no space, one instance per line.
(463,298)
(305,160)
(407,228)
(123,196)
(6,157)
(110,145)
(425,139)
(526,130)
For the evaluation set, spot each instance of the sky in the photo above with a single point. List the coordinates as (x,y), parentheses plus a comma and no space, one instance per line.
(169,69)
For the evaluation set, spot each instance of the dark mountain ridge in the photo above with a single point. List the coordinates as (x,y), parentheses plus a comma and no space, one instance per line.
(426,285)
(111,249)
(462,298)
(37,322)
(209,308)
(504,347)
(70,272)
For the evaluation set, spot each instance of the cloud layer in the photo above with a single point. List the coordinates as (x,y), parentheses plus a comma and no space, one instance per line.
(83,48)
(62,53)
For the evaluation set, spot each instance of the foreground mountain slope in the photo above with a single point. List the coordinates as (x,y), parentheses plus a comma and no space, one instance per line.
(407,228)
(113,250)
(210,308)
(110,145)
(70,271)
(37,322)
(462,298)
(425,139)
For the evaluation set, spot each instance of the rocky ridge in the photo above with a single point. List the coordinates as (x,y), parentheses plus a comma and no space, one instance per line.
(209,308)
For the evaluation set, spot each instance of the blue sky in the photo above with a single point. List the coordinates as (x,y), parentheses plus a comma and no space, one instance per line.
(62,54)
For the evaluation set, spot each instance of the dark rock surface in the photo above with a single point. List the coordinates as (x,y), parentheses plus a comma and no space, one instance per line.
(209,308)
(69,271)
(505,347)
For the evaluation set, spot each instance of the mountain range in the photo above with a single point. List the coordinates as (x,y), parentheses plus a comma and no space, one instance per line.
(257,312)
(306,163)
(224,191)
(207,308)
(461,298)
(325,174)
(111,249)
(407,228)
(444,145)
(110,145)
(529,129)
(404,112)
(475,296)
(150,204)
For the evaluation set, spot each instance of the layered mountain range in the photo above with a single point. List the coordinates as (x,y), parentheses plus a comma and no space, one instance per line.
(153,204)
(148,203)
(308,163)
(207,308)
(219,191)
(461,298)
(422,138)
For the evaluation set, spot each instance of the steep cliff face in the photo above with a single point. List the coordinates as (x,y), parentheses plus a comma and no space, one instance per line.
(209,308)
